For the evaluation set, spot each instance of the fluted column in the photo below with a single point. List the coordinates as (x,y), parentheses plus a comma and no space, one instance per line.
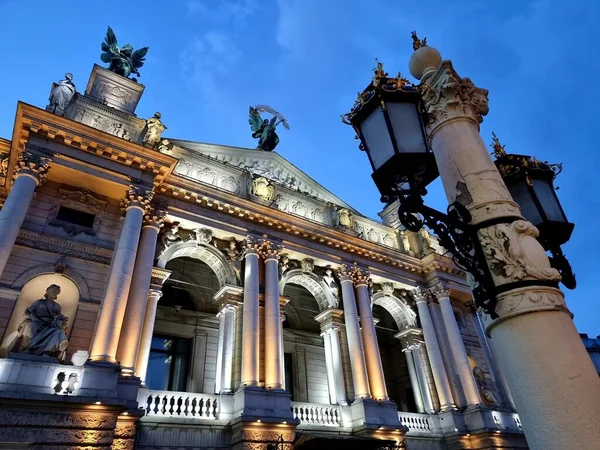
(225,349)
(433,350)
(355,344)
(31,171)
(138,295)
(330,321)
(147,332)
(410,342)
(112,311)
(250,316)
(273,326)
(441,292)
(369,335)
(421,366)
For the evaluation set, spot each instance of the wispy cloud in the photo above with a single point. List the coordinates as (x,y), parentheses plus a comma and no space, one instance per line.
(237,12)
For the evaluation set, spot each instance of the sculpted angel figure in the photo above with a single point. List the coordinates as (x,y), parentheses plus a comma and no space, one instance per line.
(42,331)
(264,129)
(123,61)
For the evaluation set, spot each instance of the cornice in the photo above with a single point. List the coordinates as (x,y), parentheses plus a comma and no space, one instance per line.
(35,121)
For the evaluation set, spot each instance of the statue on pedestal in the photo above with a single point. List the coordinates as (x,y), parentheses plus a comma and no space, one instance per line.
(154,129)
(264,129)
(42,332)
(122,61)
(61,94)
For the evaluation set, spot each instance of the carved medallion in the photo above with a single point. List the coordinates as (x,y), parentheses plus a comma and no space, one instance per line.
(263,189)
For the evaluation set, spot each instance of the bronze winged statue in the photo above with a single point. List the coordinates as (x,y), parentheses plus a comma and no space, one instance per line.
(264,129)
(123,61)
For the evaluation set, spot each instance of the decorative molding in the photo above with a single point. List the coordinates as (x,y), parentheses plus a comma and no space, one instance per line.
(32,164)
(64,247)
(137,196)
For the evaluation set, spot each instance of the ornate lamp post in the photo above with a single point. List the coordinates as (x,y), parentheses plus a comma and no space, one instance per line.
(551,377)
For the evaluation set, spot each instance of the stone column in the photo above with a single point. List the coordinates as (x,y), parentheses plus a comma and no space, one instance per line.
(409,339)
(147,332)
(225,372)
(220,340)
(442,384)
(330,321)
(31,171)
(373,357)
(138,295)
(441,292)
(554,384)
(112,311)
(229,299)
(250,314)
(273,329)
(422,367)
(355,344)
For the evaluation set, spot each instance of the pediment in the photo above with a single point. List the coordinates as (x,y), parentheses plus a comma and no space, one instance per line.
(270,165)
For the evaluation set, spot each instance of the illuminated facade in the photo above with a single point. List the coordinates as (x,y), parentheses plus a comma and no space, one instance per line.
(218,297)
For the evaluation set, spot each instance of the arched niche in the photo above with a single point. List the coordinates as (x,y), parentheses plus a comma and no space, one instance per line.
(403,315)
(33,290)
(207,254)
(313,284)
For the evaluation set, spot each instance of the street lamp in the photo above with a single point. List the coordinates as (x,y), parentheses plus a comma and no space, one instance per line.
(389,122)
(531,184)
(388,119)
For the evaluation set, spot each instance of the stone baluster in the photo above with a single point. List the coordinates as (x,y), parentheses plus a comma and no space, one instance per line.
(30,172)
(250,315)
(355,343)
(330,321)
(112,310)
(369,336)
(441,292)
(133,322)
(440,376)
(273,326)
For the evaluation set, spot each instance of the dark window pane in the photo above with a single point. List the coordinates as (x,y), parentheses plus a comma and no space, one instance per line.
(73,216)
(168,364)
(159,368)
(288,371)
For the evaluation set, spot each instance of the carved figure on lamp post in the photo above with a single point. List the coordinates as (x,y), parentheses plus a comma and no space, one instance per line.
(42,332)
(61,95)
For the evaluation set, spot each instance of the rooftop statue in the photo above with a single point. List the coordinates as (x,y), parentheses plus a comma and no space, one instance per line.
(61,95)
(123,61)
(264,129)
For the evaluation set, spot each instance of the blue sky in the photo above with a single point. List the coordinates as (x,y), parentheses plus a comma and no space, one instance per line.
(209,60)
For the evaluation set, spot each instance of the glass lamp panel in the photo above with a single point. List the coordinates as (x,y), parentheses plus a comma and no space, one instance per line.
(377,138)
(407,127)
(521,195)
(547,197)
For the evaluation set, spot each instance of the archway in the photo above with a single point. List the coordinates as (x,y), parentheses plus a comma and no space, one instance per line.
(33,290)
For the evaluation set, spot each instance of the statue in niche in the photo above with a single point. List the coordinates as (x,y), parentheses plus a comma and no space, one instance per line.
(264,129)
(42,332)
(329,280)
(487,395)
(342,218)
(233,254)
(122,61)
(61,95)
(154,129)
(263,189)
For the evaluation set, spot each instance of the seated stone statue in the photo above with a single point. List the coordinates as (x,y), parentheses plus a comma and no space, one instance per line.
(42,332)
(487,395)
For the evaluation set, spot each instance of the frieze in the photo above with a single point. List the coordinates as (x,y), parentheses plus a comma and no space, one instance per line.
(63,247)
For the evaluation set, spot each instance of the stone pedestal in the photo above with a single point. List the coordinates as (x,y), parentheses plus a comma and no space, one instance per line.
(114,90)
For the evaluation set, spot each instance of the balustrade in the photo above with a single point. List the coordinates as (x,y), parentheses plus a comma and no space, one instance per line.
(415,422)
(179,404)
(317,415)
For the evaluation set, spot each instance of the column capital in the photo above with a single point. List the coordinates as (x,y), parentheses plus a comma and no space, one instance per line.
(155,294)
(136,197)
(225,308)
(229,295)
(158,278)
(447,96)
(420,294)
(154,218)
(361,277)
(330,319)
(33,165)
(251,245)
(344,272)
(440,290)
(270,250)
(411,338)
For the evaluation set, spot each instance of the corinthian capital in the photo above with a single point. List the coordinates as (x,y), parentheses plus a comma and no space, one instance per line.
(420,294)
(344,273)
(33,165)
(361,276)
(448,96)
(440,290)
(154,218)
(137,197)
(270,250)
(251,245)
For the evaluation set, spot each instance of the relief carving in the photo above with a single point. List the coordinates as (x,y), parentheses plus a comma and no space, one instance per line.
(263,189)
(299,208)
(343,218)
(206,175)
(231,184)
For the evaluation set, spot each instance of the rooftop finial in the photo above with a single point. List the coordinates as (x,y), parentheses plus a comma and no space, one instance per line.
(418,43)
(497,146)
(379,72)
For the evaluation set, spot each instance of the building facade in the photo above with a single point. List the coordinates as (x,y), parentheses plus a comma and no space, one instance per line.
(217,297)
